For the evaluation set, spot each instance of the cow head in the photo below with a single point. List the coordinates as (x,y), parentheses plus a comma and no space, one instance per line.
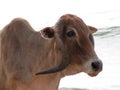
(75,41)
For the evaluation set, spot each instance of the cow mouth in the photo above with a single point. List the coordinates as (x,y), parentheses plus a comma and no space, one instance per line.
(93,74)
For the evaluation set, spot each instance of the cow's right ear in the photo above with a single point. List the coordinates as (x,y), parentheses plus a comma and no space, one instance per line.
(92,29)
(47,33)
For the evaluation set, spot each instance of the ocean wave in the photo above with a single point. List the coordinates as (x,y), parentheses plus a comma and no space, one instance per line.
(108,32)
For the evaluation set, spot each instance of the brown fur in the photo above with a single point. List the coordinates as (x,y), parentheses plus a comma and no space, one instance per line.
(24,52)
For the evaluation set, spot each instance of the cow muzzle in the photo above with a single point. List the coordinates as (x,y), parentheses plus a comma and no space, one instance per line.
(96,66)
(93,68)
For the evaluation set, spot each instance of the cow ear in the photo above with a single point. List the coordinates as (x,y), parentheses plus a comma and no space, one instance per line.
(47,33)
(92,29)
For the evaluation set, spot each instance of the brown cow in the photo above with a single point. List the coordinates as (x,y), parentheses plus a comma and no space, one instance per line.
(31,60)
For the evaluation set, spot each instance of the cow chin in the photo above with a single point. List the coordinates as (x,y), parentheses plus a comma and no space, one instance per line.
(92,74)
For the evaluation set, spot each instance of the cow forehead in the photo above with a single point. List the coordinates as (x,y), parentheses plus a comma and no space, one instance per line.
(75,22)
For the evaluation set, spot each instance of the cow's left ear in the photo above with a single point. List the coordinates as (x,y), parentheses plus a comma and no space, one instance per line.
(47,33)
(92,29)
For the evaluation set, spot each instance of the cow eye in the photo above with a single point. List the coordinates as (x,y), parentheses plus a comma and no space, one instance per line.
(70,33)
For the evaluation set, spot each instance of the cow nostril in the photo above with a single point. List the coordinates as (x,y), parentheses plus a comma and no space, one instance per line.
(96,65)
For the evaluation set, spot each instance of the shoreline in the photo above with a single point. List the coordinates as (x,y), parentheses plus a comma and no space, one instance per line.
(72,89)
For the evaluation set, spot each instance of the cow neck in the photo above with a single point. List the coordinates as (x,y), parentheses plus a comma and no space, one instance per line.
(45,82)
(44,59)
(60,56)
(43,51)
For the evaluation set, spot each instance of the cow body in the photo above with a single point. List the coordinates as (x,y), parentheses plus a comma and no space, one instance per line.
(54,52)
